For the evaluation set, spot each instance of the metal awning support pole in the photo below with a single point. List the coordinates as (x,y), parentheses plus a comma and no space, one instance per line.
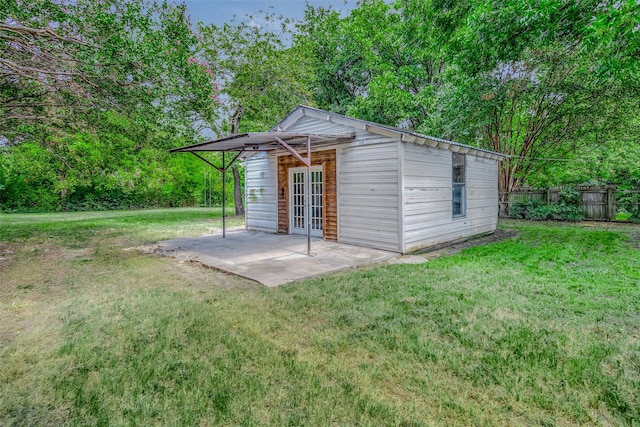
(206,161)
(224,205)
(307,199)
(308,196)
(223,171)
(293,152)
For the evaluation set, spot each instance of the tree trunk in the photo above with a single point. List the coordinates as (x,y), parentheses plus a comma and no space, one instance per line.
(237,191)
(64,192)
(237,184)
(63,199)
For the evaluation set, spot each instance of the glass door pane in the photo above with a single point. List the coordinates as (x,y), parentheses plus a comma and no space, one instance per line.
(297,208)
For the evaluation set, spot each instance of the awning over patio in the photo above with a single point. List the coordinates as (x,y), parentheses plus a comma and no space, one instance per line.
(263,141)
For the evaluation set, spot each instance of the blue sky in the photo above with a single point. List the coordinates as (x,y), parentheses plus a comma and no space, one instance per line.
(220,11)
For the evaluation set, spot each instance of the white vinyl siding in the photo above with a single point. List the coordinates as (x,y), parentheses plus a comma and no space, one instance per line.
(391,195)
(428,197)
(367,181)
(318,126)
(261,213)
(368,192)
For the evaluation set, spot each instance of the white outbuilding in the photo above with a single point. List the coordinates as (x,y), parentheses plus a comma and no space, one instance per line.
(363,183)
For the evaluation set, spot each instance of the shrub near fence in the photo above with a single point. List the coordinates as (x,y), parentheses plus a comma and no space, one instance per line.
(628,201)
(595,203)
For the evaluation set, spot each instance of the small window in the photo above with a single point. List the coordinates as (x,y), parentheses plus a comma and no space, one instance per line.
(459,202)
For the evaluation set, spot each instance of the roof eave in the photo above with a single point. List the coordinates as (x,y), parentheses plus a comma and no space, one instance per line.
(404,135)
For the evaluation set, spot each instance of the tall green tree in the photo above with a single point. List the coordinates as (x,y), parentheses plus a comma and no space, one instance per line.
(118,165)
(372,63)
(98,92)
(62,60)
(527,80)
(533,80)
(384,61)
(262,76)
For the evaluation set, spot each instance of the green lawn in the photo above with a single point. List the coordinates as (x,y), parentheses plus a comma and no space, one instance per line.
(539,329)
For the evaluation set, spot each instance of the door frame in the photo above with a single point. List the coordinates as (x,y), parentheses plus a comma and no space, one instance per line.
(307,222)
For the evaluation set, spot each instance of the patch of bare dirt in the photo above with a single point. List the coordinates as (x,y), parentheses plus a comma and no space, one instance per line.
(7,255)
(497,236)
(193,273)
(202,277)
(38,280)
(62,253)
(35,283)
(23,317)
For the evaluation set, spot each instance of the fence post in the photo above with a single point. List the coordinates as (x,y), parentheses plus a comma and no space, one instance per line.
(611,204)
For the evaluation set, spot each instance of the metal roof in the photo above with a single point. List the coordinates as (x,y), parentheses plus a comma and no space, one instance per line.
(260,141)
(404,134)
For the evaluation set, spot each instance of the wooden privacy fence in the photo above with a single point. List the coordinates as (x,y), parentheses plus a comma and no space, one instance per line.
(598,203)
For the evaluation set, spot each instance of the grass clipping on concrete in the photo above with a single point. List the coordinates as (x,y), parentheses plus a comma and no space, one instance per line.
(541,328)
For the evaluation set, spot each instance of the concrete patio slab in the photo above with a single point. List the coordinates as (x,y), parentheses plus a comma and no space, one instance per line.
(273,259)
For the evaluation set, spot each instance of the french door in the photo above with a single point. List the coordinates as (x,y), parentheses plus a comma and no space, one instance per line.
(298,221)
